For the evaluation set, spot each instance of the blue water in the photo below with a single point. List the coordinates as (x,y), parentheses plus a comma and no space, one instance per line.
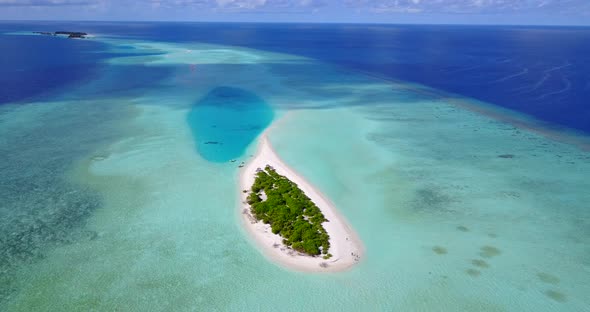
(32,66)
(538,71)
(226,121)
(41,67)
(108,201)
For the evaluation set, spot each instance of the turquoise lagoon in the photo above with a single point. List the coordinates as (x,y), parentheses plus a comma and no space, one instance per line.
(457,211)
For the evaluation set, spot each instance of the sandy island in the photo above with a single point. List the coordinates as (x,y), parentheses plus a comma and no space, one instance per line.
(345,246)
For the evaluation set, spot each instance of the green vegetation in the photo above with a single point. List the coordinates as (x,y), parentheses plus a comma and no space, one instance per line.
(289,212)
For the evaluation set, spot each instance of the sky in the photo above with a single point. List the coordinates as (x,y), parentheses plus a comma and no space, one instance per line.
(528,12)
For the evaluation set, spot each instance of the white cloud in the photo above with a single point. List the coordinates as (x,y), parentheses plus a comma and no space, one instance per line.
(573,7)
(470,6)
(48,2)
(238,5)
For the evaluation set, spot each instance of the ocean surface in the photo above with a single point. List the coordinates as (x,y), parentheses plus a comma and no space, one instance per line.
(459,154)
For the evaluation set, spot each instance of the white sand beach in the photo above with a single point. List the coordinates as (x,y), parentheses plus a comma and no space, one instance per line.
(345,246)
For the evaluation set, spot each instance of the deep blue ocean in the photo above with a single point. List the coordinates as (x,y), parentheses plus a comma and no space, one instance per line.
(542,72)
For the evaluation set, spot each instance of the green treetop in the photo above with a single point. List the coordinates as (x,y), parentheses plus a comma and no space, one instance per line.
(289,212)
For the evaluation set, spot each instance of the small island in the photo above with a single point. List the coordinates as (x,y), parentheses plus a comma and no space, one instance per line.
(292,222)
(277,201)
(69,34)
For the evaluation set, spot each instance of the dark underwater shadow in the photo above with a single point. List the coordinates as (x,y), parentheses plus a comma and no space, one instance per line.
(226,120)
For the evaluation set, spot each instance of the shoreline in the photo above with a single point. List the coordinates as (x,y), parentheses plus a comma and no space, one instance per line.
(345,246)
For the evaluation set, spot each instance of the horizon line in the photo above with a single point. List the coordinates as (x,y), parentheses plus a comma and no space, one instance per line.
(296,22)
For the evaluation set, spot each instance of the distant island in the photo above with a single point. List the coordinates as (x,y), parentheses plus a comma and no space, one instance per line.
(277,201)
(70,34)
